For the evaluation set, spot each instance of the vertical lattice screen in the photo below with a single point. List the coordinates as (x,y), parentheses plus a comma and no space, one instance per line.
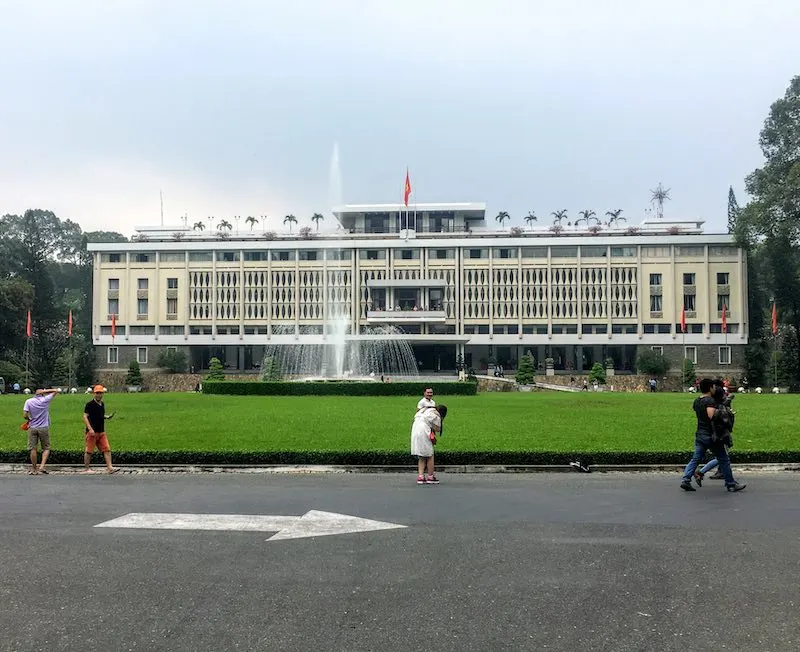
(505,296)
(624,304)
(227,302)
(564,288)
(365,293)
(405,274)
(200,298)
(282,295)
(449,277)
(534,293)
(476,293)
(311,294)
(339,292)
(594,291)
(256,299)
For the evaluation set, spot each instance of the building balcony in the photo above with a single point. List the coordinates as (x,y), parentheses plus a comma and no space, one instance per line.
(406,283)
(406,316)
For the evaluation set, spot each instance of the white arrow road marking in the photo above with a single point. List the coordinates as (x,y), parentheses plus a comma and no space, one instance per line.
(312,524)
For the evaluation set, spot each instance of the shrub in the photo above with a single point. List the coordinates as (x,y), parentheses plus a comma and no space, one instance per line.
(134,375)
(334,388)
(271,371)
(597,373)
(516,231)
(525,370)
(652,363)
(689,373)
(215,371)
(175,362)
(270,235)
(10,372)
(307,233)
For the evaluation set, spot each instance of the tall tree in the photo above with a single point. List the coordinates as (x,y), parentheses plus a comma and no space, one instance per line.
(252,221)
(559,216)
(290,219)
(733,210)
(317,218)
(501,217)
(530,218)
(770,223)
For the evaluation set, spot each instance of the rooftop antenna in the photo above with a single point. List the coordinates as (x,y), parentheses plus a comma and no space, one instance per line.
(657,197)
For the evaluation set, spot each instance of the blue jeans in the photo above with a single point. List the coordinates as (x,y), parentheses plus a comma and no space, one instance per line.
(713,464)
(702,443)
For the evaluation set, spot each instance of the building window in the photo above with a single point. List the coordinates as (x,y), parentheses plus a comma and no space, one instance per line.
(106,330)
(113,284)
(172,349)
(113,307)
(141,307)
(141,354)
(309,254)
(255,256)
(372,254)
(171,257)
(505,253)
(282,256)
(228,256)
(657,349)
(655,303)
(113,355)
(593,252)
(688,302)
(111,258)
(722,278)
(655,252)
(663,329)
(721,251)
(534,252)
(442,254)
(338,254)
(724,355)
(695,329)
(724,300)
(690,353)
(688,278)
(142,283)
(476,253)
(409,254)
(689,251)
(172,284)
(623,252)
(649,329)
(141,258)
(172,306)
(564,252)
(200,257)
(655,279)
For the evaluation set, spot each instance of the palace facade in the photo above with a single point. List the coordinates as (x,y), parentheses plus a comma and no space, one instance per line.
(454,287)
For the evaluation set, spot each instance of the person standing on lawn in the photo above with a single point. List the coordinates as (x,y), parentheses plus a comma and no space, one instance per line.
(36,413)
(427,399)
(94,418)
(427,423)
(704,407)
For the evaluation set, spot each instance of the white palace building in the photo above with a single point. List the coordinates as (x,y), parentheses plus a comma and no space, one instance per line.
(454,286)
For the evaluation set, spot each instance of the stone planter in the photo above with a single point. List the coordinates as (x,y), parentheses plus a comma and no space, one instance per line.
(549,371)
(609,371)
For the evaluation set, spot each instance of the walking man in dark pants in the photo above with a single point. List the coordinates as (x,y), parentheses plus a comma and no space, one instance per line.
(705,407)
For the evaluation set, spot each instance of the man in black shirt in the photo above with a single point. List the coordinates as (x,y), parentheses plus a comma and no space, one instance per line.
(704,407)
(94,418)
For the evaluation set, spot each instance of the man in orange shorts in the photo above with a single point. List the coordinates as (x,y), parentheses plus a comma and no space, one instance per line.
(94,417)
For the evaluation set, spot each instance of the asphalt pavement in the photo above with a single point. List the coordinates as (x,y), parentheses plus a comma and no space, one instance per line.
(485,562)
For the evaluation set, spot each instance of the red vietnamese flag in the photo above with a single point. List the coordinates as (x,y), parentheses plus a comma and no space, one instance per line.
(69,324)
(113,325)
(724,318)
(774,319)
(406,189)
(683,319)
(28,326)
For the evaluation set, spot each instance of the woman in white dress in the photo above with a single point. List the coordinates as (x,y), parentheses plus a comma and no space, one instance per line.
(427,424)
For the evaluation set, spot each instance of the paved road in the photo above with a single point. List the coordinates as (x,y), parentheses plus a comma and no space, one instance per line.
(487,562)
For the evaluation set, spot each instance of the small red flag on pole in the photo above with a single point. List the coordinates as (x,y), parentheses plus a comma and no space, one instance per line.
(774,319)
(113,326)
(406,189)
(683,319)
(29,326)
(69,324)
(724,318)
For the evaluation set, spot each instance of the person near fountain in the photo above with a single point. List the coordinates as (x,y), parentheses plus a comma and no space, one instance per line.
(427,423)
(427,399)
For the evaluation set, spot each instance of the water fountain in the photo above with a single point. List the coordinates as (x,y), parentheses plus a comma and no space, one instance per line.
(380,352)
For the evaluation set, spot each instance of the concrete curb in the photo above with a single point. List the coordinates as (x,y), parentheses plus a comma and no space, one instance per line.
(275,469)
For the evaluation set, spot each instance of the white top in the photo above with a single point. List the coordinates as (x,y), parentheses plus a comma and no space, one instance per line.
(426,403)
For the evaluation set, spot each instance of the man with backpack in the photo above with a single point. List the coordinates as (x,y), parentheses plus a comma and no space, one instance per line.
(724,420)
(710,436)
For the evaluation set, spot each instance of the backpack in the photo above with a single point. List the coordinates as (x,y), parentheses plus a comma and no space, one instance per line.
(722,424)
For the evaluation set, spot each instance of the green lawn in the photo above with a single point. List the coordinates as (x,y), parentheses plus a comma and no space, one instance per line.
(493,422)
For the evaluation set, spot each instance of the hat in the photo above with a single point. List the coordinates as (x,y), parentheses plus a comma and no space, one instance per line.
(99,388)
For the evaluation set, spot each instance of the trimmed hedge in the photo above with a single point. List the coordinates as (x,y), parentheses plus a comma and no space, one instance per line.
(399,458)
(328,388)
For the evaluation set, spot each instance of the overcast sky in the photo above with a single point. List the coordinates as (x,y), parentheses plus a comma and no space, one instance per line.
(233,107)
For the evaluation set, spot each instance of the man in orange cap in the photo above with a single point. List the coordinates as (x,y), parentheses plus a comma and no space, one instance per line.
(94,418)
